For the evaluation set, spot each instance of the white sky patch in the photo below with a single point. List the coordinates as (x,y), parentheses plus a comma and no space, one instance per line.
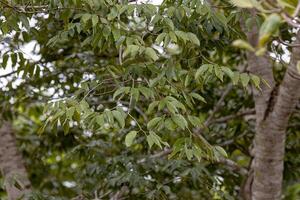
(69,184)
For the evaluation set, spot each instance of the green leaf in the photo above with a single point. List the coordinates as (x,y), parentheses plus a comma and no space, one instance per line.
(85,17)
(201,70)
(119,117)
(173,36)
(256,80)
(121,90)
(268,28)
(180,121)
(188,153)
(227,71)
(245,79)
(182,35)
(219,73)
(150,140)
(4,61)
(171,108)
(221,151)
(150,53)
(243,45)
(135,93)
(153,138)
(193,38)
(100,120)
(175,102)
(197,152)
(152,106)
(169,23)
(160,38)
(95,20)
(70,113)
(242,3)
(131,50)
(146,92)
(153,122)
(198,96)
(66,127)
(235,78)
(195,120)
(130,138)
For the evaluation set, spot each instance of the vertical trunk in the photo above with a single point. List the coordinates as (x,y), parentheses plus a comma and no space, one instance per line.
(273,108)
(270,136)
(11,164)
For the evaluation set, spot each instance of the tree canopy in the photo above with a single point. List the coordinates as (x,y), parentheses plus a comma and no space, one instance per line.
(176,99)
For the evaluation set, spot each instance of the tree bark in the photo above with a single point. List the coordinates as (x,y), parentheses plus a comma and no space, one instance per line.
(273,107)
(12,165)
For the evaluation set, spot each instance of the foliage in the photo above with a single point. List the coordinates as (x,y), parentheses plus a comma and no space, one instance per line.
(117,83)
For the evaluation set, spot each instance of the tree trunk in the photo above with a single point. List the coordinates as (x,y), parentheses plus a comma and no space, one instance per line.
(11,164)
(273,107)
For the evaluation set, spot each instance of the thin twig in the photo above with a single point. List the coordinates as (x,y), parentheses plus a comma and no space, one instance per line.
(288,44)
(296,13)
(290,20)
(225,161)
(218,105)
(8,74)
(233,116)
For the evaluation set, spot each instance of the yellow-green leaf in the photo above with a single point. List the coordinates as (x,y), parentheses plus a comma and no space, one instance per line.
(243,45)
(242,3)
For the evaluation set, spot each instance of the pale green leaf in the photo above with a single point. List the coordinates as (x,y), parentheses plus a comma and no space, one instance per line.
(153,122)
(195,120)
(119,117)
(193,38)
(150,53)
(130,138)
(242,3)
(221,151)
(256,80)
(198,97)
(219,73)
(152,106)
(202,70)
(245,79)
(180,121)
(268,28)
(95,20)
(160,38)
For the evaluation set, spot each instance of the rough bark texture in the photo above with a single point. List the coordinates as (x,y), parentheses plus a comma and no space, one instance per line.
(11,164)
(273,108)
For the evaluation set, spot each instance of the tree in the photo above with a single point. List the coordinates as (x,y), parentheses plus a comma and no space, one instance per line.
(121,86)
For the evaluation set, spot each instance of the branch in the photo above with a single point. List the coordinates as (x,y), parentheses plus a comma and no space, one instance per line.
(228,142)
(233,166)
(262,67)
(288,44)
(233,116)
(218,104)
(290,20)
(296,13)
(289,91)
(8,74)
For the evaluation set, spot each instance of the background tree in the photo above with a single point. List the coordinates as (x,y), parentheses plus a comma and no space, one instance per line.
(111,89)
